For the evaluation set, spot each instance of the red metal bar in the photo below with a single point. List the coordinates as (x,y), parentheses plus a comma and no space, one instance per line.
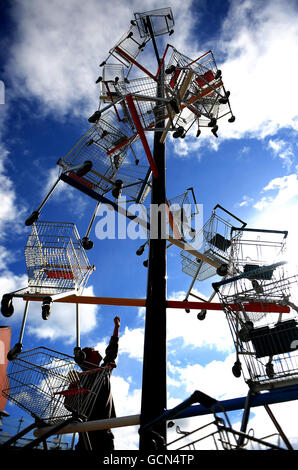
(249,306)
(141,133)
(133,61)
(122,144)
(196,60)
(125,302)
(162,61)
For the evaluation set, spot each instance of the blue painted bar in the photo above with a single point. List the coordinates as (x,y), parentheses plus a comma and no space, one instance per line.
(268,398)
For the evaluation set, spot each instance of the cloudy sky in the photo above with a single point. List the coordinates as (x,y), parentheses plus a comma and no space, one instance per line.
(50,54)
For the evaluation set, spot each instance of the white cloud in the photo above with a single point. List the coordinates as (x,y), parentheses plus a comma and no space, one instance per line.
(61,323)
(286,192)
(132,343)
(250,70)
(212,333)
(59,46)
(11,210)
(283,150)
(127,403)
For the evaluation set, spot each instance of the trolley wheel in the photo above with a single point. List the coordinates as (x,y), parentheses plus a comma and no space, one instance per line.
(85,168)
(174,105)
(186,309)
(145,263)
(12,354)
(202,315)
(46,307)
(236,369)
(32,218)
(270,370)
(222,270)
(6,305)
(86,243)
(178,132)
(170,69)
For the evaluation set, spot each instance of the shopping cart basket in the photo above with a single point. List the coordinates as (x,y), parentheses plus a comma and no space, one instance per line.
(199,91)
(217,434)
(51,387)
(214,243)
(267,335)
(56,261)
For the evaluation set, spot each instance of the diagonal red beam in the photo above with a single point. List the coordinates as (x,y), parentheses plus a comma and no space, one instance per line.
(133,61)
(139,127)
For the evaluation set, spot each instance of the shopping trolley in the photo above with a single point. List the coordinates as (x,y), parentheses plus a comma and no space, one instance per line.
(57,266)
(105,160)
(144,27)
(217,434)
(214,244)
(267,336)
(179,217)
(52,388)
(198,89)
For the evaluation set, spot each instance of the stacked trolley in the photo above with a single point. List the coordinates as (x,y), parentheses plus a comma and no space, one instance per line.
(213,243)
(57,267)
(52,388)
(260,305)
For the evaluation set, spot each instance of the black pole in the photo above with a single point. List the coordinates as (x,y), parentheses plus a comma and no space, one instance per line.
(154,389)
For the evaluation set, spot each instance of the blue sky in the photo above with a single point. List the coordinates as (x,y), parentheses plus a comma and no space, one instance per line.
(50,52)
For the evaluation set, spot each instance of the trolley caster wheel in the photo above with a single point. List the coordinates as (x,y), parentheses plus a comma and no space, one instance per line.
(174,105)
(117,190)
(186,309)
(46,307)
(170,69)
(236,369)
(270,370)
(6,305)
(86,243)
(145,263)
(202,315)
(13,353)
(178,132)
(222,270)
(32,218)
(79,355)
(83,170)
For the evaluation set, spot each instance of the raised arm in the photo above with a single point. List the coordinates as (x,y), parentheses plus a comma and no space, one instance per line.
(117,326)
(112,349)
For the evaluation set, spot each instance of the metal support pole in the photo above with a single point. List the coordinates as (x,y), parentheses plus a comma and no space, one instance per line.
(278,427)
(154,362)
(245,417)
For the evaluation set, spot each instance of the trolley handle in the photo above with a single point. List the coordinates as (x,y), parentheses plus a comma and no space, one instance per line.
(196,397)
(285,232)
(230,213)
(247,275)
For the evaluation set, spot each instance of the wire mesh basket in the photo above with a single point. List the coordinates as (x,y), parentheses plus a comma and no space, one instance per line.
(127,49)
(218,434)
(51,387)
(115,156)
(205,95)
(262,313)
(55,258)
(181,217)
(214,242)
(161,22)
(254,248)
